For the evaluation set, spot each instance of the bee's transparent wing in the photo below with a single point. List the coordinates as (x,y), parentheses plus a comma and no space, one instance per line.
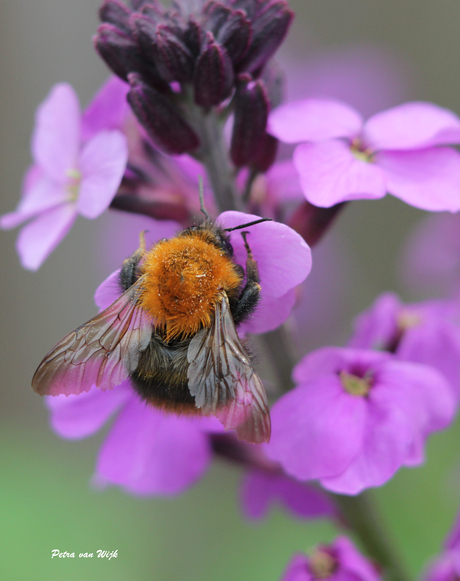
(102,352)
(223,380)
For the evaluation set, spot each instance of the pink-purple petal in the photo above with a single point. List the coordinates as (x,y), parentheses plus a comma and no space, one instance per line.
(434,341)
(428,179)
(297,569)
(329,361)
(412,126)
(308,427)
(330,174)
(421,391)
(108,291)
(270,313)
(56,138)
(377,327)
(107,110)
(40,237)
(386,439)
(79,416)
(262,489)
(102,164)
(353,562)
(149,452)
(283,182)
(283,257)
(42,195)
(314,120)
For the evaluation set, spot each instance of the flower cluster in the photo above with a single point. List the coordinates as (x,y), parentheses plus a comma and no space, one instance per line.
(213,53)
(344,419)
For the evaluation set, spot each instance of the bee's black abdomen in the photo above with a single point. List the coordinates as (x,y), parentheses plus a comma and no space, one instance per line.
(161,376)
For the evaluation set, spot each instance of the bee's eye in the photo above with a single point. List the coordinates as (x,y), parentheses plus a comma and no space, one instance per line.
(228,247)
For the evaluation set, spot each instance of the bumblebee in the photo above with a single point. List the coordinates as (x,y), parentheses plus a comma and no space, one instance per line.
(172,332)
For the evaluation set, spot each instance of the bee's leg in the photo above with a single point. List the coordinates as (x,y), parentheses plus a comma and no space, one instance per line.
(129,270)
(250,295)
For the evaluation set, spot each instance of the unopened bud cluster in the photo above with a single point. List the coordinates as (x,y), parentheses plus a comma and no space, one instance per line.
(211,55)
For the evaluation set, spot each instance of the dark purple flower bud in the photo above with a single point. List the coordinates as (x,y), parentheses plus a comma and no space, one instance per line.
(217,14)
(192,37)
(236,35)
(119,50)
(269,28)
(157,209)
(249,6)
(172,58)
(154,11)
(139,4)
(266,153)
(213,80)
(230,28)
(161,118)
(250,119)
(115,12)
(123,55)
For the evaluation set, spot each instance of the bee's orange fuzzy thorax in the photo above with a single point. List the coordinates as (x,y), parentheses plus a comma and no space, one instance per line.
(183,278)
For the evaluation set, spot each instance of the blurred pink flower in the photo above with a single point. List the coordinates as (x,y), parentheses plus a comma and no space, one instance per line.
(339,561)
(421,333)
(431,256)
(398,151)
(69,177)
(261,489)
(446,567)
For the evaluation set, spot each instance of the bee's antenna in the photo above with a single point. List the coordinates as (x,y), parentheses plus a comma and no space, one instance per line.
(248,224)
(201,191)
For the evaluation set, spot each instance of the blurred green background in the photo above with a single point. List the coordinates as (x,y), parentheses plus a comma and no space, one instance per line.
(46,501)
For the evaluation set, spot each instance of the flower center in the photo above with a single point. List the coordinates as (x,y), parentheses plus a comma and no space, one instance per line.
(322,564)
(73,185)
(407,320)
(361,152)
(355,385)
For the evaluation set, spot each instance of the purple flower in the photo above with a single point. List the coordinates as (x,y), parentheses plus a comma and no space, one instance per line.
(446,567)
(339,561)
(431,257)
(421,333)
(108,109)
(399,151)
(69,177)
(262,488)
(356,416)
(147,451)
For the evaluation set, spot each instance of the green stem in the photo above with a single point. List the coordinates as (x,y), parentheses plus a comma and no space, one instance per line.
(213,153)
(277,346)
(361,516)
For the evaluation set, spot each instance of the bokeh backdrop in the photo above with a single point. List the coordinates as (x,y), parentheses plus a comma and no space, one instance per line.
(375,54)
